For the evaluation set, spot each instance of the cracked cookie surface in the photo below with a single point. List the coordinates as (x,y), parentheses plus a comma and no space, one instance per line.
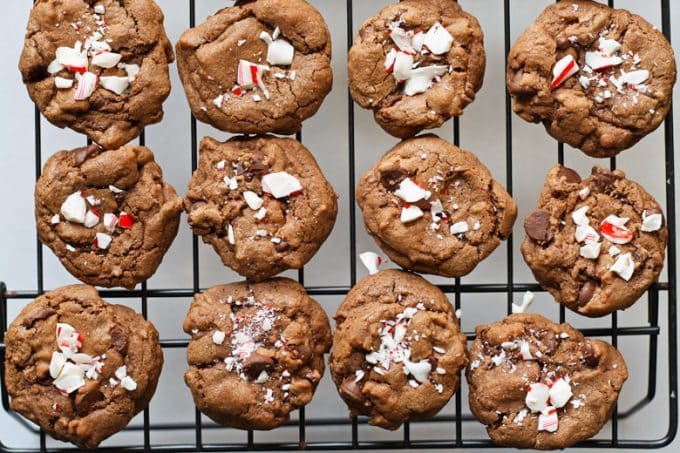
(116,355)
(261,202)
(107,215)
(618,90)
(390,59)
(238,82)
(434,208)
(98,67)
(397,349)
(596,244)
(256,352)
(537,384)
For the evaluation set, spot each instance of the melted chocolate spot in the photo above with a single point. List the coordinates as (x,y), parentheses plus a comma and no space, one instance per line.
(39,315)
(256,364)
(351,391)
(80,155)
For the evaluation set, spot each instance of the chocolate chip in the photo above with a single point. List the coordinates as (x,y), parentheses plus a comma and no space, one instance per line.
(303,352)
(87,397)
(586,292)
(351,391)
(549,339)
(569,175)
(563,42)
(603,179)
(119,339)
(80,155)
(537,226)
(391,177)
(589,356)
(516,87)
(281,246)
(256,364)
(41,314)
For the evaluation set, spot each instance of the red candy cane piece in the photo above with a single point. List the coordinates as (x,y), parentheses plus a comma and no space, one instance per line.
(125,220)
(562,70)
(615,234)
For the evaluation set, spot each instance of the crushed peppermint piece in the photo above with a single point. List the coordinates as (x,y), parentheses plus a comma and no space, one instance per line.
(106,59)
(459,228)
(614,250)
(359,375)
(230,235)
(281,184)
(438,40)
(527,300)
(525,351)
(253,201)
(624,266)
(371,261)
(547,420)
(99,9)
(519,418)
(563,69)
(103,240)
(250,75)
(279,51)
(232,183)
(410,213)
(411,192)
(421,79)
(115,189)
(218,337)
(614,230)
(110,222)
(419,370)
(609,47)
(591,250)
(560,393)
(599,62)
(115,84)
(583,193)
(651,223)
(74,208)
(91,219)
(261,213)
(218,101)
(63,83)
(87,83)
(537,397)
(128,384)
(579,216)
(55,219)
(125,220)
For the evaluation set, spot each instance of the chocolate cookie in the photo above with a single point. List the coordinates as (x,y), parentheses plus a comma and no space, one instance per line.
(537,384)
(262,203)
(98,67)
(434,208)
(599,79)
(259,66)
(397,349)
(596,245)
(107,215)
(79,367)
(256,352)
(416,64)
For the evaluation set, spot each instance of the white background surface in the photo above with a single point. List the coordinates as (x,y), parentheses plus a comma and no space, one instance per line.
(482,131)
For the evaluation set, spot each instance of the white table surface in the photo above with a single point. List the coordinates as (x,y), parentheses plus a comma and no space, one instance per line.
(482,131)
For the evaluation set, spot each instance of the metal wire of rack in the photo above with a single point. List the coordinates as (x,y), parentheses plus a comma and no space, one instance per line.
(650,330)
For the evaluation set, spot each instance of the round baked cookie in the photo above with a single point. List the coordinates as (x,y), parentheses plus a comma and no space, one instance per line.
(598,78)
(79,367)
(98,67)
(537,384)
(434,208)
(256,352)
(261,202)
(397,349)
(416,64)
(107,215)
(259,66)
(596,245)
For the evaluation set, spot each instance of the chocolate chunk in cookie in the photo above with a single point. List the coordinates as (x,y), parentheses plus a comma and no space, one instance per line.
(596,245)
(100,68)
(397,349)
(416,64)
(259,66)
(64,374)
(107,215)
(537,384)
(598,78)
(262,202)
(244,369)
(434,208)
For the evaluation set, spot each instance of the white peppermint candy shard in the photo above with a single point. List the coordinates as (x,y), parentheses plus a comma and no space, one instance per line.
(371,261)
(230,235)
(281,184)
(74,208)
(106,59)
(71,57)
(598,62)
(421,79)
(438,40)
(280,53)
(218,337)
(87,83)
(115,84)
(115,189)
(609,47)
(614,250)
(70,379)
(591,250)
(583,193)
(132,70)
(56,364)
(579,216)
(91,219)
(128,384)
(403,64)
(459,227)
(110,222)
(54,67)
(560,393)
(527,300)
(419,370)
(99,9)
(55,219)
(253,201)
(390,58)
(563,69)
(261,214)
(411,192)
(584,81)
(651,223)
(232,183)
(624,266)
(401,38)
(121,372)
(62,83)
(548,420)
(635,77)
(586,233)
(615,220)
(250,75)
(410,213)
(103,240)
(524,350)
(537,397)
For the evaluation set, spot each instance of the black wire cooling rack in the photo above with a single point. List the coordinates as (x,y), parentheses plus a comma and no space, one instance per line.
(649,330)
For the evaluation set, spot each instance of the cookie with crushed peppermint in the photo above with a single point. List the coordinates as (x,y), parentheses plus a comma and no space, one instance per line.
(107,215)
(256,352)
(261,66)
(98,67)
(262,202)
(599,79)
(397,349)
(595,244)
(537,384)
(435,208)
(79,367)
(416,64)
